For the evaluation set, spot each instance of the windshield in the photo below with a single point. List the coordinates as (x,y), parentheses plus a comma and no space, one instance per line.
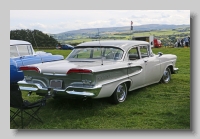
(108,53)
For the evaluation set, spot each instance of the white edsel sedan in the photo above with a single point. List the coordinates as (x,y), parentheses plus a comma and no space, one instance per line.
(100,69)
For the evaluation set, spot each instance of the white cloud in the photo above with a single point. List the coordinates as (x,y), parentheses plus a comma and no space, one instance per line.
(57,21)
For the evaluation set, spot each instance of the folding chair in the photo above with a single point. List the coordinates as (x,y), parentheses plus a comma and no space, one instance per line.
(19,107)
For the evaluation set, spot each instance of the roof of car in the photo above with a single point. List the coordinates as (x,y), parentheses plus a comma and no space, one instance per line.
(115,43)
(14,42)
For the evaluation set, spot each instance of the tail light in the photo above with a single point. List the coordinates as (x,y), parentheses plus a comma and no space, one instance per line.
(30,68)
(79,71)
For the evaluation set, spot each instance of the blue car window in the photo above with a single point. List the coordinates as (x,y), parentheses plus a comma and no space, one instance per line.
(24,50)
(13,51)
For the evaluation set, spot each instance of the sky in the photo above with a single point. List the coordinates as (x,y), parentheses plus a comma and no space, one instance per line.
(58,21)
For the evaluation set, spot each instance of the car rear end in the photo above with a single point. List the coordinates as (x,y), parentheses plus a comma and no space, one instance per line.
(73,81)
(82,74)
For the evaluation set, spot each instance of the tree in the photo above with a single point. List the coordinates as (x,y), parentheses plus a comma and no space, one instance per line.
(35,37)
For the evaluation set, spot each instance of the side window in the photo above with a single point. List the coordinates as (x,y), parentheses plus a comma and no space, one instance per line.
(144,51)
(133,54)
(113,53)
(83,53)
(13,51)
(23,50)
(30,51)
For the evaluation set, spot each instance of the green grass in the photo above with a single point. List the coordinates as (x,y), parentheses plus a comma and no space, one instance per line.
(128,35)
(158,106)
(160,33)
(65,53)
(79,40)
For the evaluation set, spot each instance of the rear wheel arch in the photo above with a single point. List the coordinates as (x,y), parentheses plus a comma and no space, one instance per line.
(120,93)
(128,84)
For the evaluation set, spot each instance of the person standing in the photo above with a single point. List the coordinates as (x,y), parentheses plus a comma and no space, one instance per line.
(178,41)
(182,42)
(186,41)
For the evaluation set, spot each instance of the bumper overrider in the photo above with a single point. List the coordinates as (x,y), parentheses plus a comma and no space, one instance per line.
(69,91)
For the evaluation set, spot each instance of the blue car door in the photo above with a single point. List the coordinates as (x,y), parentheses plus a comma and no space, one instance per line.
(14,55)
(30,59)
(15,63)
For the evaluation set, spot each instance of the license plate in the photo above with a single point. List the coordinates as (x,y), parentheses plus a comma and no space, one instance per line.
(56,84)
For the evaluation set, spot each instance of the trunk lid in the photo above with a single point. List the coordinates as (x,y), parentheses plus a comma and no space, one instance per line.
(63,66)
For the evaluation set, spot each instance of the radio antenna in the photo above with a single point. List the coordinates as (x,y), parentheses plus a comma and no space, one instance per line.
(37,46)
(101,49)
(34,39)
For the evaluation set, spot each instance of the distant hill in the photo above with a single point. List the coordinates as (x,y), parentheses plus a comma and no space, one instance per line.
(146,27)
(94,31)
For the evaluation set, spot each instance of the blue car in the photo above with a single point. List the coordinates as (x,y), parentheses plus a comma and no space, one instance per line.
(22,54)
(65,47)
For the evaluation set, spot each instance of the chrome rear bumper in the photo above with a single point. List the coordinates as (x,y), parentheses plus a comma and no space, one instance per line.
(70,90)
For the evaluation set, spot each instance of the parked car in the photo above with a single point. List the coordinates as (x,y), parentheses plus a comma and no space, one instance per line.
(65,47)
(100,69)
(21,54)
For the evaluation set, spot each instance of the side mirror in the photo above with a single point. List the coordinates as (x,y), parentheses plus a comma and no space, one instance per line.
(160,53)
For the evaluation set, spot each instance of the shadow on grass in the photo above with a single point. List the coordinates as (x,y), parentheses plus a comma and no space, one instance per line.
(90,104)
(64,113)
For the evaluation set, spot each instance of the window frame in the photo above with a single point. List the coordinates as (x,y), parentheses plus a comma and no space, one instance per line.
(138,53)
(91,53)
(148,51)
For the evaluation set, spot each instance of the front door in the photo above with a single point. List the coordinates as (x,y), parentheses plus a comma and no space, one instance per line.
(152,65)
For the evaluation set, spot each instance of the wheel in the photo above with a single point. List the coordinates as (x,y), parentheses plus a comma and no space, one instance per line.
(119,94)
(166,75)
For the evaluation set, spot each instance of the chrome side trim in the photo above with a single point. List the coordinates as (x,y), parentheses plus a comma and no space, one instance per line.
(80,93)
(137,72)
(54,74)
(112,81)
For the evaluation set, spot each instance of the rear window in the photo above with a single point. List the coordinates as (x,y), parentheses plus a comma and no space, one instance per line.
(108,53)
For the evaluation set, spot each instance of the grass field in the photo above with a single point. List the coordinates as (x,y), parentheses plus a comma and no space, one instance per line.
(161,34)
(158,106)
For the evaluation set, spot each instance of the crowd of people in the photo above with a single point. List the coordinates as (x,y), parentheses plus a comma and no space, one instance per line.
(184,42)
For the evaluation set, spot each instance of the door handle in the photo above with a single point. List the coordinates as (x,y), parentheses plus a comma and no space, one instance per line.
(145,60)
(130,63)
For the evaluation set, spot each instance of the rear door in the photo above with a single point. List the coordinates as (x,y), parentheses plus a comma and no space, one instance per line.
(15,55)
(136,68)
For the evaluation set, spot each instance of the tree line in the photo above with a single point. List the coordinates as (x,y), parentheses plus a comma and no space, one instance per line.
(35,37)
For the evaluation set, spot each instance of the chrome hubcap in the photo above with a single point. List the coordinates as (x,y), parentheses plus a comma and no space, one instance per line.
(166,75)
(121,92)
